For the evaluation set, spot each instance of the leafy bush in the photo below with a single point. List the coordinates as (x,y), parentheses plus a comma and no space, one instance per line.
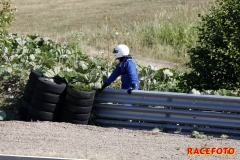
(215,61)
(164,79)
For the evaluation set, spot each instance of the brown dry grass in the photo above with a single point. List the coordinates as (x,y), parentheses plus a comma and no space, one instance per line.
(57,19)
(99,19)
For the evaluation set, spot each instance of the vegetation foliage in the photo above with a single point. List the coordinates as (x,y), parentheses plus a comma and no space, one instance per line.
(214,61)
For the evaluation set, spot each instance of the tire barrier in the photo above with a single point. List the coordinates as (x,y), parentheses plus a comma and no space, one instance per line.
(80,94)
(23,110)
(77,105)
(34,75)
(77,108)
(47,100)
(45,106)
(48,86)
(28,94)
(37,114)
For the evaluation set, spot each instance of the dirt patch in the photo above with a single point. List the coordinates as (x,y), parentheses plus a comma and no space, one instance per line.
(137,58)
(156,63)
(96,143)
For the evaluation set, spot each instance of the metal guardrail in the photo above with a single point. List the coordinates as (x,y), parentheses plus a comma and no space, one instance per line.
(150,109)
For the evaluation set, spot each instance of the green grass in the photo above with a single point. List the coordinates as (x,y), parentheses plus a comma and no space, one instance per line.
(157,29)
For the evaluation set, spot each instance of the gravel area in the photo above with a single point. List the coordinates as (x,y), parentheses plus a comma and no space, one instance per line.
(68,140)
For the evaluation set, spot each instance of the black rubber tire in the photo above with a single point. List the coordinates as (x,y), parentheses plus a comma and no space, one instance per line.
(34,75)
(42,115)
(75,116)
(30,118)
(44,106)
(78,101)
(69,120)
(30,86)
(76,108)
(48,97)
(80,94)
(24,104)
(50,87)
(22,113)
(27,96)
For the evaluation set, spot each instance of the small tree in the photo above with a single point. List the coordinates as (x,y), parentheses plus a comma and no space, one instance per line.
(7,16)
(215,62)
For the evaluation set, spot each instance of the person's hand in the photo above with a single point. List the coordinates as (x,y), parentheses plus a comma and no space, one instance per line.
(129,91)
(103,86)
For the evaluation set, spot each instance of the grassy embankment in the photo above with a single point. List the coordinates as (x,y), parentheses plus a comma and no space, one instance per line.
(156,29)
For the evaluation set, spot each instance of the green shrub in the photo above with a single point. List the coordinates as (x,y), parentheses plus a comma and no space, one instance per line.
(215,61)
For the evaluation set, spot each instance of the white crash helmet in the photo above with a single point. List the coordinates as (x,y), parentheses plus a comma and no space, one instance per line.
(120,50)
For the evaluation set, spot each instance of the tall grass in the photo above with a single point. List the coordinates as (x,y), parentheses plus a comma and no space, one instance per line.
(157,29)
(166,35)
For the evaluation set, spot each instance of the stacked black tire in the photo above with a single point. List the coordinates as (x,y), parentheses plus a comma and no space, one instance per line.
(77,105)
(55,101)
(28,94)
(47,100)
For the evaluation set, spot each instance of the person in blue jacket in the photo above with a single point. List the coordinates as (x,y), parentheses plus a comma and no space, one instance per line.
(126,68)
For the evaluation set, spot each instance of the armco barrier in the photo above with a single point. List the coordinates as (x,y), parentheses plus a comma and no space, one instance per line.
(149,109)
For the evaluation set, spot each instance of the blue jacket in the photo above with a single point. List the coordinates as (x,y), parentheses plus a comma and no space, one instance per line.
(128,70)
